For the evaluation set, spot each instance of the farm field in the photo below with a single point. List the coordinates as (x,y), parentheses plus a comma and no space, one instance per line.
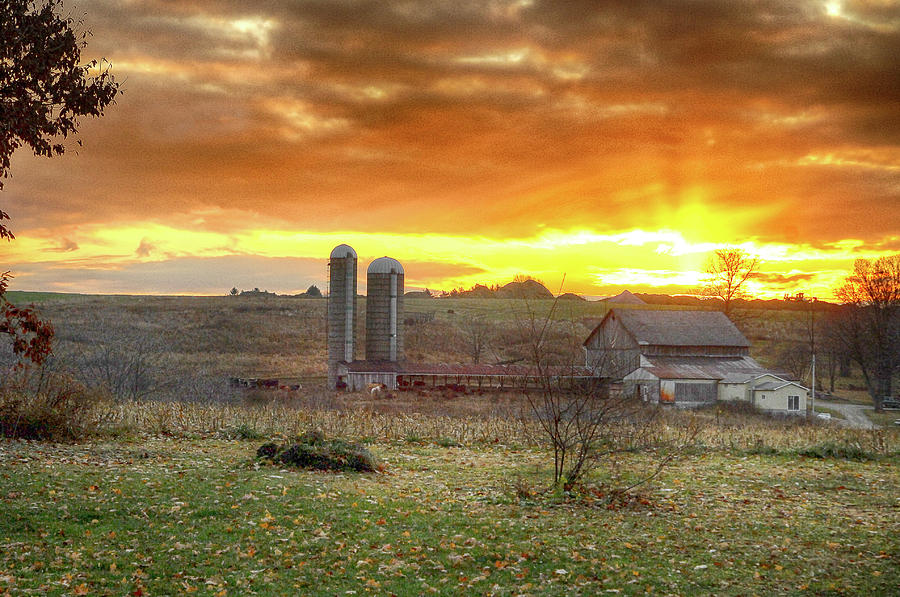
(165,496)
(187,347)
(173,515)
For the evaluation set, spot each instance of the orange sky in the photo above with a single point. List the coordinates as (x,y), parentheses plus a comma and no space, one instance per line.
(615,142)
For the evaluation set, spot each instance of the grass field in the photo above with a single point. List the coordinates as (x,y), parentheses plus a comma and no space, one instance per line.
(163,516)
(162,500)
(886,419)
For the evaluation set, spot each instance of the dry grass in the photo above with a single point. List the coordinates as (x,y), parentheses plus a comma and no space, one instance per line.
(191,345)
(508,424)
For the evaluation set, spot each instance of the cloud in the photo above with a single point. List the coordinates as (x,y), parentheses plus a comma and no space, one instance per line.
(145,248)
(188,275)
(776,279)
(728,120)
(66,245)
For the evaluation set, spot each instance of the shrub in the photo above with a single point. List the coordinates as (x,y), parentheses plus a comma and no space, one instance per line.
(241,432)
(834,450)
(58,408)
(312,450)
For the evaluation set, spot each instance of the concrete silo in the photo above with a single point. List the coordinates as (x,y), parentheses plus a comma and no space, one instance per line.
(341,309)
(384,310)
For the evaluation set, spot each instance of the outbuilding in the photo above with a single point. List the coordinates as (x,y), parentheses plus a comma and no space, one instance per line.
(781,396)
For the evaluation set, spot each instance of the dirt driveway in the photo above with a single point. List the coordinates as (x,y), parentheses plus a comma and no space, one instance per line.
(854,414)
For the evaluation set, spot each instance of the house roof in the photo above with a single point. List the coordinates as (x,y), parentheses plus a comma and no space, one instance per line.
(677,328)
(744,377)
(777,385)
(711,368)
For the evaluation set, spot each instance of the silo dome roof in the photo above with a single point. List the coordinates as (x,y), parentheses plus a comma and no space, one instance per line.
(342,251)
(385,265)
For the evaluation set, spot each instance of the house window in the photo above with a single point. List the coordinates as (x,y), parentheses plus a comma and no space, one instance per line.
(793,402)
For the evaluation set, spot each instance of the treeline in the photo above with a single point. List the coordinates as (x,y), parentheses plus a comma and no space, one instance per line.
(311,292)
(786,304)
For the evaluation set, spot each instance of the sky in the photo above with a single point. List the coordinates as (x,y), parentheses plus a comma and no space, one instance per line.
(597,146)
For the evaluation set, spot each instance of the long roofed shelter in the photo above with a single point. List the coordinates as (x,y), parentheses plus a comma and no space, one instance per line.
(359,374)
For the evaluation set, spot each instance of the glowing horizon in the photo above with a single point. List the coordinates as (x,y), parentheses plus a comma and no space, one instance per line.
(639,260)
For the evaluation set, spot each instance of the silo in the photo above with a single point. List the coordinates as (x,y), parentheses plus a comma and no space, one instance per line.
(341,309)
(384,310)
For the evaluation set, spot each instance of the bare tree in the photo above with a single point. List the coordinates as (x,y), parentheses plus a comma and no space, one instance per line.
(727,271)
(585,419)
(832,349)
(794,359)
(478,334)
(870,326)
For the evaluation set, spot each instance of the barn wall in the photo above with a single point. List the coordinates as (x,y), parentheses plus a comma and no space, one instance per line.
(695,392)
(646,390)
(612,352)
(359,381)
(687,391)
(734,392)
(695,351)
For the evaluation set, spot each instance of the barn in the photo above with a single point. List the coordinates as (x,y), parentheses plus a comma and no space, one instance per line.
(686,358)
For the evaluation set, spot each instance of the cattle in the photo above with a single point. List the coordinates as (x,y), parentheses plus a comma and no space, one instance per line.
(375,389)
(264,384)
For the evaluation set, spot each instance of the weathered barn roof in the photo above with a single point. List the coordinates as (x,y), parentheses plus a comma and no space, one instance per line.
(453,370)
(712,368)
(677,328)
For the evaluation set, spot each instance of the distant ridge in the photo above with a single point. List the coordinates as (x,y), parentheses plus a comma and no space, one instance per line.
(527,289)
(625,298)
(715,303)
(477,291)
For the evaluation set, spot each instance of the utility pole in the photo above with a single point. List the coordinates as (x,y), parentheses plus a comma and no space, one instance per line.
(811,324)
(813,385)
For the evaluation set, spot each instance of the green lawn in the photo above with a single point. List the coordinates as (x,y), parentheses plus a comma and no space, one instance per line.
(172,516)
(885,419)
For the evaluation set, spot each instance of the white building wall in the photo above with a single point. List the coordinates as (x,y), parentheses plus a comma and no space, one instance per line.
(734,392)
(777,400)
